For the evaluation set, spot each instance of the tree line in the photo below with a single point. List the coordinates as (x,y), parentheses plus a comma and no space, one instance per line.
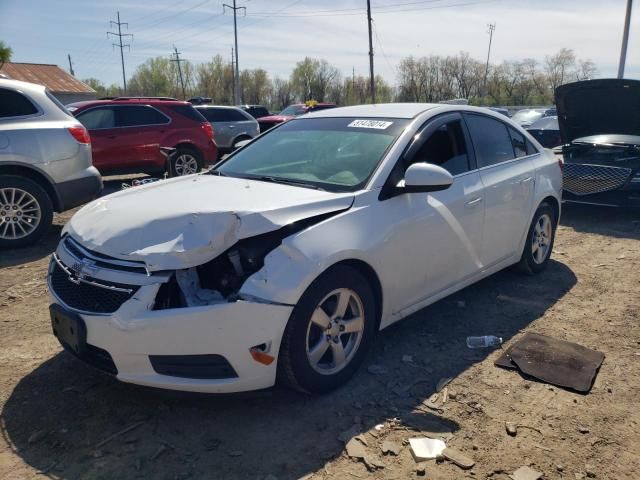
(425,79)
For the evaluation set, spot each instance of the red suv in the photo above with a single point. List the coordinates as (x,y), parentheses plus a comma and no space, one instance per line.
(127,133)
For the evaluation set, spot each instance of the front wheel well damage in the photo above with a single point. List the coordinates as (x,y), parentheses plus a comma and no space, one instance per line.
(220,279)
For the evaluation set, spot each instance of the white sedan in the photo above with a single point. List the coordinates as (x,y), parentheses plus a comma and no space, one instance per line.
(284,261)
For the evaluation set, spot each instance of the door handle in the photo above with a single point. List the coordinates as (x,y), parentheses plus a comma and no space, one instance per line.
(474,202)
(526,180)
(111,137)
(231,126)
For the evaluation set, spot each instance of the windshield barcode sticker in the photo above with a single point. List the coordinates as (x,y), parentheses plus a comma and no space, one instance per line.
(377,124)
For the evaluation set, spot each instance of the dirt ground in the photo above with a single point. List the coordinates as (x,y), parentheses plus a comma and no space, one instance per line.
(59,416)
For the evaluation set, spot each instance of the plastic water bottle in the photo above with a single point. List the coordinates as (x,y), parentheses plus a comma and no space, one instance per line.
(485,341)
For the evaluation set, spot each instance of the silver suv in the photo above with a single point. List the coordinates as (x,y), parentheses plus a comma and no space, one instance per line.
(231,125)
(45,162)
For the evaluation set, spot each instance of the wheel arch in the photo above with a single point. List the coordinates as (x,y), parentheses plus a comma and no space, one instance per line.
(553,202)
(371,275)
(39,177)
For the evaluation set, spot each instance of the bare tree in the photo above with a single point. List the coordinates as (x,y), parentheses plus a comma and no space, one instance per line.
(560,67)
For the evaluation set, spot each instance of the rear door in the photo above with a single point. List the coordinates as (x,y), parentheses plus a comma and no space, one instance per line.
(508,175)
(101,123)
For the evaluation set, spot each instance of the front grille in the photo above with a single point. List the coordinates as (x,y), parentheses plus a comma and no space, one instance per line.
(584,179)
(86,297)
(100,260)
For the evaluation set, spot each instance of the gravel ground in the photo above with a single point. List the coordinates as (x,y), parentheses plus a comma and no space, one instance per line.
(59,416)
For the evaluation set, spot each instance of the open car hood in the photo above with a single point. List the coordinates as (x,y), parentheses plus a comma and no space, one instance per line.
(593,107)
(187,221)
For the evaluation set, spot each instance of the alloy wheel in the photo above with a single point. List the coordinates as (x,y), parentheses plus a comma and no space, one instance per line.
(185,164)
(541,239)
(335,331)
(20,213)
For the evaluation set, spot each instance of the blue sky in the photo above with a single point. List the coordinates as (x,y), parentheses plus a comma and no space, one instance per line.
(277,33)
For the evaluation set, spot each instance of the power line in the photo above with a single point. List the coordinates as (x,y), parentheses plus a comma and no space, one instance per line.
(236,89)
(121,45)
(178,60)
(335,13)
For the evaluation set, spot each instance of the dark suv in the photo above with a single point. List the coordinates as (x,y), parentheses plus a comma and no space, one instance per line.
(127,133)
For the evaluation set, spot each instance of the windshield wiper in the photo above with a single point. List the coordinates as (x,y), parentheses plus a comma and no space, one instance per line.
(286,181)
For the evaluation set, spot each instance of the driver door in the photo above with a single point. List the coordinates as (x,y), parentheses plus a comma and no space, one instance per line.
(439,234)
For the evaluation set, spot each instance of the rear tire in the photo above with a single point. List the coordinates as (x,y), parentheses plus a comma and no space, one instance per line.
(26,212)
(185,161)
(329,332)
(539,243)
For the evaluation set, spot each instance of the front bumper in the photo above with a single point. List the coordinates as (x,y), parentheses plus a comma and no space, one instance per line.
(135,342)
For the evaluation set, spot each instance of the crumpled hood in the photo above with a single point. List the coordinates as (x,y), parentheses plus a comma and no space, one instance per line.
(602,106)
(185,222)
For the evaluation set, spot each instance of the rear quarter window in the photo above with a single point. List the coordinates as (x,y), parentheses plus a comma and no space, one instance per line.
(188,111)
(15,104)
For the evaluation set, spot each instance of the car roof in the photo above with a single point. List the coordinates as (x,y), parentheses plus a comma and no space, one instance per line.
(381,110)
(208,105)
(20,85)
(130,101)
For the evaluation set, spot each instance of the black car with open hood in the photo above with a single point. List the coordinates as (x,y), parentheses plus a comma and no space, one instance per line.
(599,124)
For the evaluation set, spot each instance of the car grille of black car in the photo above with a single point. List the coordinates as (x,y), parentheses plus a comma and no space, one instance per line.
(88,295)
(585,179)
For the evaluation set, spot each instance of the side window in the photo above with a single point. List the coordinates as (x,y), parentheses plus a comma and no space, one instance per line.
(101,117)
(446,147)
(531,150)
(135,116)
(14,104)
(236,116)
(491,140)
(518,142)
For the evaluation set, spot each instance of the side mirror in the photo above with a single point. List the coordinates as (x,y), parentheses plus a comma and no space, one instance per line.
(426,177)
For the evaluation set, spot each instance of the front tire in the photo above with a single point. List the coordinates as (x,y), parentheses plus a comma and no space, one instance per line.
(329,332)
(540,239)
(26,212)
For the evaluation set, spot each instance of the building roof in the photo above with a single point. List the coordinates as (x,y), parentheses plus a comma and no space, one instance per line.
(51,76)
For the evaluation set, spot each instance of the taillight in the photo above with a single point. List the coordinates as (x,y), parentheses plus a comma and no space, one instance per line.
(208,129)
(80,134)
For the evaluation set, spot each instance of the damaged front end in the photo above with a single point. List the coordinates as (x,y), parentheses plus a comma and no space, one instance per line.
(221,279)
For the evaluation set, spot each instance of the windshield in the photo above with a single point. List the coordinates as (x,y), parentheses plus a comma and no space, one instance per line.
(545,123)
(335,154)
(293,110)
(526,116)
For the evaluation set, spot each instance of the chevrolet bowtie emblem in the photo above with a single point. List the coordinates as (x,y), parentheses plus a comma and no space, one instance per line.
(83,268)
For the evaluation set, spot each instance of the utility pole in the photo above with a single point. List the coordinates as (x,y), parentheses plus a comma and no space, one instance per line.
(492,27)
(121,45)
(625,40)
(70,65)
(371,76)
(233,73)
(236,89)
(178,60)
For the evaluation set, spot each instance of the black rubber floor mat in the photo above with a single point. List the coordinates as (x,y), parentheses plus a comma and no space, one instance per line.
(553,361)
